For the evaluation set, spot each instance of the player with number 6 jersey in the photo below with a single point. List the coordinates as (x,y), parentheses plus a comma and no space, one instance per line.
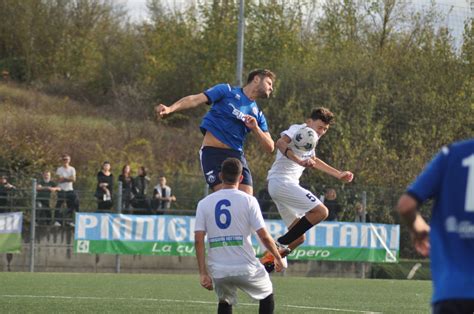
(449,239)
(299,208)
(229,217)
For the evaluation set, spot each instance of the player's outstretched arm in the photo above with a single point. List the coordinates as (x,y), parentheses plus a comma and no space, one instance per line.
(345,176)
(264,138)
(191,101)
(205,279)
(269,244)
(419,229)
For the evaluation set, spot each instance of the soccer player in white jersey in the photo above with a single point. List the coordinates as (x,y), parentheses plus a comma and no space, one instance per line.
(229,217)
(299,208)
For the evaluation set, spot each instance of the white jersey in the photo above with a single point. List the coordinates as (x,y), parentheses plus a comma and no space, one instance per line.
(66,173)
(284,168)
(229,217)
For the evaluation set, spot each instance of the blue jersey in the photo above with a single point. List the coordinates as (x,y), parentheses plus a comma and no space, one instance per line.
(225,118)
(449,180)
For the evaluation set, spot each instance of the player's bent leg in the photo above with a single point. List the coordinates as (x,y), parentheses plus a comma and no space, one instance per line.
(224,308)
(293,245)
(268,260)
(246,188)
(317,214)
(311,218)
(267,305)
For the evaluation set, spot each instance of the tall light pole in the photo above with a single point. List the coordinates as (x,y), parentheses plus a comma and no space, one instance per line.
(240,43)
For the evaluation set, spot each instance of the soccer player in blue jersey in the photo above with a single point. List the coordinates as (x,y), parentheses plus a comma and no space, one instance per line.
(449,240)
(233,114)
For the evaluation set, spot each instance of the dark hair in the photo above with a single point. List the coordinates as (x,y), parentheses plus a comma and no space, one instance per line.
(262,73)
(143,169)
(231,170)
(123,170)
(322,114)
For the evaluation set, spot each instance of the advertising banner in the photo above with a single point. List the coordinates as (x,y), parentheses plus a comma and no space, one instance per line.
(10,232)
(166,235)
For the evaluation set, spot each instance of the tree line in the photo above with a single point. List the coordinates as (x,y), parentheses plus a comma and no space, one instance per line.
(399,87)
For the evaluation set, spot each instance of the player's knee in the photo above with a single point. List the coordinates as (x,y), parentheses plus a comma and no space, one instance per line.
(321,211)
(324,211)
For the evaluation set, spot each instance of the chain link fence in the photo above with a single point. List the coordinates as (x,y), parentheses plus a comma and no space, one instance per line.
(56,210)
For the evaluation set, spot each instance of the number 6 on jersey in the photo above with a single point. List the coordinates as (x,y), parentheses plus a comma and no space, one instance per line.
(222,211)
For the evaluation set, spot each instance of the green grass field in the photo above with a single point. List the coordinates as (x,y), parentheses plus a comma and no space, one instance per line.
(140,293)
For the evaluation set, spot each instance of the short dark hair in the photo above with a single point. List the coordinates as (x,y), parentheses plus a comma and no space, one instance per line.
(322,114)
(262,73)
(231,170)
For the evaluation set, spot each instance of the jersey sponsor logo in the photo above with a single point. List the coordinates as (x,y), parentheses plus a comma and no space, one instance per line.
(237,113)
(464,228)
(233,240)
(255,110)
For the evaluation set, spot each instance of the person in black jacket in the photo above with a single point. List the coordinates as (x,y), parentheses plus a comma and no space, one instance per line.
(332,204)
(127,187)
(105,187)
(140,187)
(5,189)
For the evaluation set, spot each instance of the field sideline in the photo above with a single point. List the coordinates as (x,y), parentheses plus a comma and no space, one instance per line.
(140,293)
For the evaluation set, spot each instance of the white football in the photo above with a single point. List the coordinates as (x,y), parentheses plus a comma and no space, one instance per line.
(305,139)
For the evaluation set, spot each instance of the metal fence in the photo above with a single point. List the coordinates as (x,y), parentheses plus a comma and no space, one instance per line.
(378,202)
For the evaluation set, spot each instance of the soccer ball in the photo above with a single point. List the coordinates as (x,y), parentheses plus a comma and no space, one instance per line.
(305,139)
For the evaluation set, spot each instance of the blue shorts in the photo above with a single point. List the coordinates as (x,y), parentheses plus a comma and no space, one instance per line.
(453,306)
(212,159)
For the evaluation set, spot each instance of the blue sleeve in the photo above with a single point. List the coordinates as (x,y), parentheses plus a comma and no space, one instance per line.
(262,122)
(428,183)
(217,92)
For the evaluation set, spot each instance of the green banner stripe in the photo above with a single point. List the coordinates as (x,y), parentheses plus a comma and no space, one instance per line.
(187,249)
(10,243)
(134,247)
(226,243)
(344,254)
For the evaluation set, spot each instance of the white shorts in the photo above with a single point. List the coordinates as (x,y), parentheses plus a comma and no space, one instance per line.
(258,286)
(292,200)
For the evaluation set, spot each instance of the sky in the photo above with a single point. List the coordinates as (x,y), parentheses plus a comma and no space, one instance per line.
(137,8)
(456,11)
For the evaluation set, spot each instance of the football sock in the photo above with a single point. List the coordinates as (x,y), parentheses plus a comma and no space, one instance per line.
(294,233)
(224,308)
(267,305)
